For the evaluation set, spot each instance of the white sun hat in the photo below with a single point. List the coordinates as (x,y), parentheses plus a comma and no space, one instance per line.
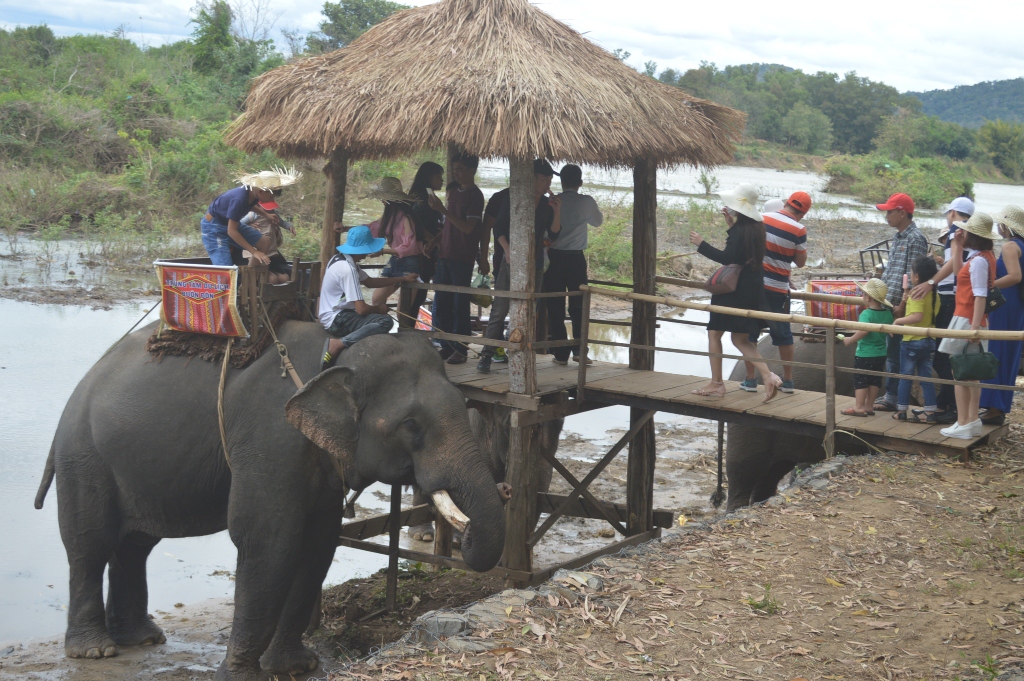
(270,180)
(743,200)
(773,206)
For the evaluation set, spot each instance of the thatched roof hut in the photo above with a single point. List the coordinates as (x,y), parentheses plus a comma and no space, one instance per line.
(500,78)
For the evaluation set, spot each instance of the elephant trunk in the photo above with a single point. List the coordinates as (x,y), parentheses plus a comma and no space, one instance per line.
(469,499)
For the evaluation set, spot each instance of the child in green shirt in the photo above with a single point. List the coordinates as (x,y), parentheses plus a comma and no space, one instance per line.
(916,351)
(870,347)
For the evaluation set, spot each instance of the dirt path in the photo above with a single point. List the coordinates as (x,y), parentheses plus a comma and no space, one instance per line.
(899,567)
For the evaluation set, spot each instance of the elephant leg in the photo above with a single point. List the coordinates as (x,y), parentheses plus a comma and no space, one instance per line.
(128,594)
(268,558)
(746,462)
(287,654)
(767,486)
(89,528)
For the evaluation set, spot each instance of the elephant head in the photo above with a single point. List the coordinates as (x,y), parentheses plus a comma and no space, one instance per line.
(389,413)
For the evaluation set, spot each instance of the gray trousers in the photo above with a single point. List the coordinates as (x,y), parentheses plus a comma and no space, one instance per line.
(499,310)
(351,327)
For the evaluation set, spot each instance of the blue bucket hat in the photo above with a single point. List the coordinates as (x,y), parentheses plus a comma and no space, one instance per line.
(361,242)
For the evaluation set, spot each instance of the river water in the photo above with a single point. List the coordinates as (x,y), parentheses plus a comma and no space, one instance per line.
(46,349)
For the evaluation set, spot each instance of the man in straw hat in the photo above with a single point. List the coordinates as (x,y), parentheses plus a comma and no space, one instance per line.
(224,236)
(343,312)
(995,404)
(785,246)
(908,245)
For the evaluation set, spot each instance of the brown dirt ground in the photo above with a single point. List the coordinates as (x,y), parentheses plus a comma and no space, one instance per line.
(905,567)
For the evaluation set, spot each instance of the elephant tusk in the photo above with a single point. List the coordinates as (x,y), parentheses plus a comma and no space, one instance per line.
(447,508)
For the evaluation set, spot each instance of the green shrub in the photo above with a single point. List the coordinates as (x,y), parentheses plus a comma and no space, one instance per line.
(610,250)
(931,182)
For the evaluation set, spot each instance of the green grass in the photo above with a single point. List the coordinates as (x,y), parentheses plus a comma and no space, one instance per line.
(768,605)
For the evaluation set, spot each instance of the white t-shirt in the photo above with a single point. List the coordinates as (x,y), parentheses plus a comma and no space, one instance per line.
(340,289)
(979,273)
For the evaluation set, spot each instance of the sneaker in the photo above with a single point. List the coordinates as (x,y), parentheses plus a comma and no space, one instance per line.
(959,432)
(484,365)
(975,427)
(457,358)
(576,358)
(563,362)
(750,385)
(500,356)
(787,387)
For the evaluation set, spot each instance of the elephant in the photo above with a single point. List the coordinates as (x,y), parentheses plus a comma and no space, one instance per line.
(491,425)
(757,459)
(138,457)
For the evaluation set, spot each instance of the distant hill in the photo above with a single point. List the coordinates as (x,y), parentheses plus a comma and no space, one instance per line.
(972,105)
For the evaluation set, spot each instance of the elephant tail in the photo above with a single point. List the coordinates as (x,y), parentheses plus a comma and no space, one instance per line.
(44,484)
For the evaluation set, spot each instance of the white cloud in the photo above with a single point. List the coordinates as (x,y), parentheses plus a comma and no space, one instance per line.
(912,45)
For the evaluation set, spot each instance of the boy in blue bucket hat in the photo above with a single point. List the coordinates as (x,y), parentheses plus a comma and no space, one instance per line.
(343,312)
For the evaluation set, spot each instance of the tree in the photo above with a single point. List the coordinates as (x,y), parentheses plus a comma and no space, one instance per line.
(807,128)
(650,68)
(621,54)
(212,34)
(346,20)
(1003,141)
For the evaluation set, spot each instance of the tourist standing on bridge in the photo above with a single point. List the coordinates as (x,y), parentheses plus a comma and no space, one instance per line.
(744,246)
(567,270)
(908,245)
(1009,317)
(871,347)
(785,246)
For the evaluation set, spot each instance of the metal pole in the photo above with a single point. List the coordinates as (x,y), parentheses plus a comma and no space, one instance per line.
(830,392)
(395,528)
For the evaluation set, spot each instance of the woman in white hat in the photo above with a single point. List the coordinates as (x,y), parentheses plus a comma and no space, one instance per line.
(1010,317)
(973,281)
(744,246)
(397,225)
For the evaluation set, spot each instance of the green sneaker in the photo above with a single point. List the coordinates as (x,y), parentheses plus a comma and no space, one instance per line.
(750,385)
(499,356)
(787,387)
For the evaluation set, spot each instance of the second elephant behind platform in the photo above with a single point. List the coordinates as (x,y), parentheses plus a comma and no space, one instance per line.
(757,459)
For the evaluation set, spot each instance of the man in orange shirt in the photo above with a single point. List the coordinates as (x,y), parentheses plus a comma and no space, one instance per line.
(785,246)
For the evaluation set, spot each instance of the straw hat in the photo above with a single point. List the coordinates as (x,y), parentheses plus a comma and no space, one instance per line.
(877,290)
(743,199)
(1011,217)
(388,189)
(979,224)
(270,180)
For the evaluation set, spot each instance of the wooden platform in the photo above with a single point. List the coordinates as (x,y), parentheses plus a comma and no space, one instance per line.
(799,413)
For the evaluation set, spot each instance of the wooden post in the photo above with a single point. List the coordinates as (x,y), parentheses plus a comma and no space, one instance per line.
(394,529)
(405,298)
(336,171)
(442,538)
(581,380)
(830,392)
(522,365)
(640,468)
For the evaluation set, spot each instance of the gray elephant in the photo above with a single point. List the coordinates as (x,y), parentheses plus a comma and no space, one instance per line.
(756,459)
(138,457)
(491,424)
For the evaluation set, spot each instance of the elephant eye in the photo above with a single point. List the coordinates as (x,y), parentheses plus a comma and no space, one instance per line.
(411,424)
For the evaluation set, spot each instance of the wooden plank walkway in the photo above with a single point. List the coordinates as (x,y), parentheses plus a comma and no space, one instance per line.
(801,412)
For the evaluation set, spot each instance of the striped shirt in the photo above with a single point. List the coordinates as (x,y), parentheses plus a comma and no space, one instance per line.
(784,238)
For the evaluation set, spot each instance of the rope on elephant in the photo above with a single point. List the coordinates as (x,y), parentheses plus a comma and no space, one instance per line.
(282,350)
(220,401)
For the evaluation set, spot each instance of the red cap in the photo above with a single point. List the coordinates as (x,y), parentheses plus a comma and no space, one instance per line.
(269,205)
(897,201)
(801,201)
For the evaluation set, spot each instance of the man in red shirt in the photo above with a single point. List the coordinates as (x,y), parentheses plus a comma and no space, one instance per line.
(785,246)
(460,245)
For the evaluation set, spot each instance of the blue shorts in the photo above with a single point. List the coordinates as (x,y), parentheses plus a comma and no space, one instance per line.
(781,332)
(398,267)
(219,245)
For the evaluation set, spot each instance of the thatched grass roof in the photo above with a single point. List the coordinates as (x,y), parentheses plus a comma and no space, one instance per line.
(499,77)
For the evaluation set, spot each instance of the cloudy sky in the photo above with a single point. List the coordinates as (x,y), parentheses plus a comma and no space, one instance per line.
(913,45)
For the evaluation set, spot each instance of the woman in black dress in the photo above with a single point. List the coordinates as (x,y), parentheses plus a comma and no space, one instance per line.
(744,246)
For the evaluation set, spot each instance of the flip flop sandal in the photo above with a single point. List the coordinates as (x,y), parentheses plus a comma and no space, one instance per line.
(852,412)
(884,406)
(925,417)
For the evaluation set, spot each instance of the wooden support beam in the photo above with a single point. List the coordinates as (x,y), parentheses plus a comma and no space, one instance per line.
(581,379)
(522,366)
(336,171)
(423,557)
(391,588)
(581,508)
(579,488)
(830,392)
(640,468)
(379,524)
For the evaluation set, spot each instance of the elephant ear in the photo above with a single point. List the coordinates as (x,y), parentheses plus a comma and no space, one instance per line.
(326,412)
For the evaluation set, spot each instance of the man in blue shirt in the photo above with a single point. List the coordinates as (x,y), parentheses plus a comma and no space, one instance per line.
(224,236)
